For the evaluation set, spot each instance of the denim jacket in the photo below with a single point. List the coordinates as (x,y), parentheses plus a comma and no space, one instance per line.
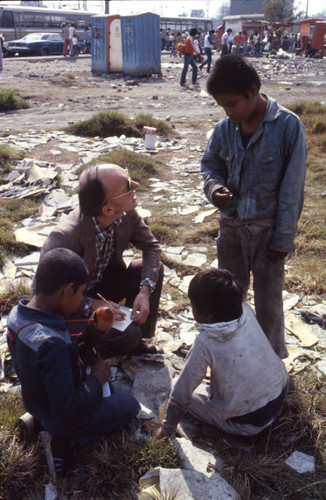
(54,384)
(266,178)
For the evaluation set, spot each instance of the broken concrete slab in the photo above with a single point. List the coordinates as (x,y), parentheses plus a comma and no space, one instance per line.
(34,235)
(182,484)
(301,462)
(290,300)
(194,458)
(150,381)
(301,330)
(35,174)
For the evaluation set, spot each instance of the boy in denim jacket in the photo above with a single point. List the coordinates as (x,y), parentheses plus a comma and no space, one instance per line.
(254,171)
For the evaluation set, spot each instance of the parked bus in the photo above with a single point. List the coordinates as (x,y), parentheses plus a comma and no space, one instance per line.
(18,21)
(186,23)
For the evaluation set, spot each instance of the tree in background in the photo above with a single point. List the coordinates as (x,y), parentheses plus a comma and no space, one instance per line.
(223,11)
(281,11)
(197,13)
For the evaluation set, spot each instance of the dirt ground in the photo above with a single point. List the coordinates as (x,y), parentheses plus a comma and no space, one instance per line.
(63,90)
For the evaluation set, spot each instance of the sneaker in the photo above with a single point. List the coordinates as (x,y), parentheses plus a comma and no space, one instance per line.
(145,348)
(62,453)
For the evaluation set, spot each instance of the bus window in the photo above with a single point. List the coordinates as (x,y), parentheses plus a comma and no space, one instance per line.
(81,24)
(55,21)
(6,19)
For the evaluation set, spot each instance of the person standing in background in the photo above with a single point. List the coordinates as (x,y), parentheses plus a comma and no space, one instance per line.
(208,46)
(65,34)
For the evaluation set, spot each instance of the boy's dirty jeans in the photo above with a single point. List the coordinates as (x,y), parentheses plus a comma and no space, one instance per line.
(244,248)
(109,415)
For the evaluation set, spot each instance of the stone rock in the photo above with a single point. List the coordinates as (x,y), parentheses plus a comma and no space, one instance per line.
(150,381)
(182,484)
(195,458)
(301,462)
(321,366)
(195,259)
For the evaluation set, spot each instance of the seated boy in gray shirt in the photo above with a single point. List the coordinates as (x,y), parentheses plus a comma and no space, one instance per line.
(248,381)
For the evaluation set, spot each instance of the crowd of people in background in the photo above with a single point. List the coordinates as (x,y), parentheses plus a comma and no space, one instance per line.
(249,44)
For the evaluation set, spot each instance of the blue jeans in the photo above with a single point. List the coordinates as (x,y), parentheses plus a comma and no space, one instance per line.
(187,59)
(225,50)
(208,61)
(108,416)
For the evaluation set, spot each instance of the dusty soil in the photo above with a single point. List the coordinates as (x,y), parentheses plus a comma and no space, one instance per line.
(62,91)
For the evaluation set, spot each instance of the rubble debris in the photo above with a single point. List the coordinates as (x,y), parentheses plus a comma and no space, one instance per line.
(301,462)
(182,484)
(301,330)
(194,458)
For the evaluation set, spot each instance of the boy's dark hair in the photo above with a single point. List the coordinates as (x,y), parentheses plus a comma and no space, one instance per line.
(58,267)
(91,194)
(232,74)
(193,31)
(214,291)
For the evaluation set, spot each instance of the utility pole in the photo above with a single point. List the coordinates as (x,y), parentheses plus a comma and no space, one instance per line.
(107,9)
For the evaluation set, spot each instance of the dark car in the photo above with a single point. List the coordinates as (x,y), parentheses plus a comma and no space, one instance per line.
(36,44)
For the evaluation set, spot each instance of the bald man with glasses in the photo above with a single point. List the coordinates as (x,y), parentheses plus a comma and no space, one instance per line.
(104,225)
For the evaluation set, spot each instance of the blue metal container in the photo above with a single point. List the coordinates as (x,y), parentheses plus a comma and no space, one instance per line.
(99,44)
(141,44)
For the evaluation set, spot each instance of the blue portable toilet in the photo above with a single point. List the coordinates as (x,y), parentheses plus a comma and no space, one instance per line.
(141,45)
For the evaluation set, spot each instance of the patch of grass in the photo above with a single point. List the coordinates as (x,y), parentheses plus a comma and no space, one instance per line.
(112,123)
(163,233)
(105,124)
(11,409)
(20,472)
(147,120)
(307,108)
(139,166)
(111,468)
(11,296)
(322,143)
(12,211)
(307,269)
(7,156)
(319,127)
(206,234)
(9,101)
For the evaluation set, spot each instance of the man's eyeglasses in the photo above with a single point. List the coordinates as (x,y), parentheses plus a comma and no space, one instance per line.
(130,190)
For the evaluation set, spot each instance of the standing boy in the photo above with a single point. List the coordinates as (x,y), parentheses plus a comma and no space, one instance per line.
(208,46)
(248,382)
(226,42)
(190,51)
(54,384)
(254,171)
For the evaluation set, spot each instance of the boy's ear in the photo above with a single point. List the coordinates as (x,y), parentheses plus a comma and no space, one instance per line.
(67,289)
(254,89)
